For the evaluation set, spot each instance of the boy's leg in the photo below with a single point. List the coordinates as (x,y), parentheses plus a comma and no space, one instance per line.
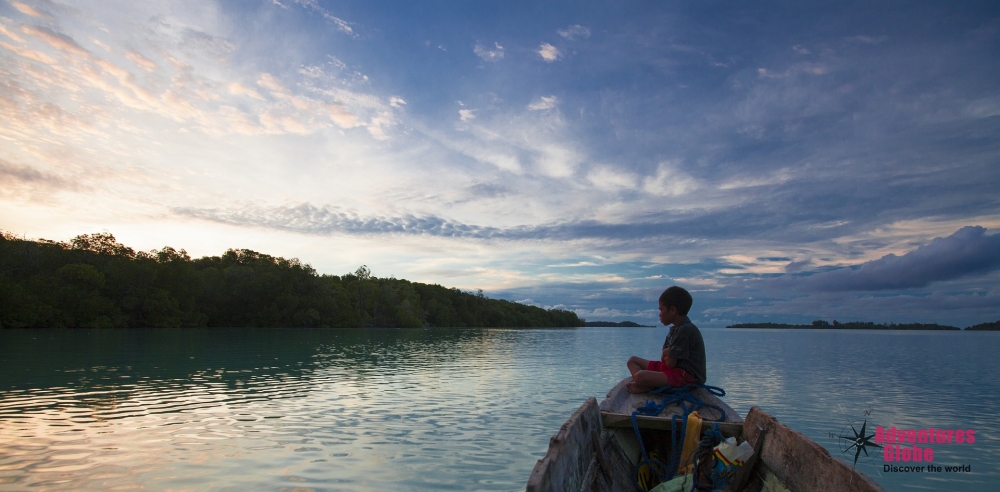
(657,377)
(636,364)
(646,381)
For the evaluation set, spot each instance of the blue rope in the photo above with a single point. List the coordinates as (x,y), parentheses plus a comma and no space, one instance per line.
(672,396)
(709,440)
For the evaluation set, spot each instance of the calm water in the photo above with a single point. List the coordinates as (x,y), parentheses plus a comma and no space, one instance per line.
(441,409)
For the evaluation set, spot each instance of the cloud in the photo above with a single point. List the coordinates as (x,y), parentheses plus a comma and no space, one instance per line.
(488,190)
(575,31)
(342,25)
(270,83)
(940,306)
(29,10)
(798,68)
(780,177)
(544,102)
(467,114)
(180,93)
(214,47)
(299,116)
(29,53)
(487,54)
(869,39)
(669,181)
(13,176)
(9,34)
(609,179)
(58,41)
(969,251)
(605,312)
(328,219)
(549,53)
(141,61)
(237,89)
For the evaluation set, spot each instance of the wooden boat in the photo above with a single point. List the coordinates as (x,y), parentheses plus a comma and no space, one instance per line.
(596,450)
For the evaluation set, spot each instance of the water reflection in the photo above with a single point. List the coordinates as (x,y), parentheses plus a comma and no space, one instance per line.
(427,409)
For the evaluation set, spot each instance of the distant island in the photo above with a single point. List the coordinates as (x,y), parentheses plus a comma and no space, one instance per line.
(994,326)
(95,282)
(620,324)
(850,325)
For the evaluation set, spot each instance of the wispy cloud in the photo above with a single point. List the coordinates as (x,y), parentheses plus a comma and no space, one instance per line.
(29,10)
(669,181)
(489,54)
(313,5)
(575,31)
(866,39)
(544,102)
(607,178)
(778,177)
(13,176)
(306,218)
(194,99)
(10,34)
(141,61)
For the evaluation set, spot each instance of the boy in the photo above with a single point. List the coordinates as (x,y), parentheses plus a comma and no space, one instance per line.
(683,358)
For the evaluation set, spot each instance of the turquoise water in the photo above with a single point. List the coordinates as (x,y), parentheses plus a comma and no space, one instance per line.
(439,409)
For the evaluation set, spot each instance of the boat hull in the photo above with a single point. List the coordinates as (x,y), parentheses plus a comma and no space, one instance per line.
(596,449)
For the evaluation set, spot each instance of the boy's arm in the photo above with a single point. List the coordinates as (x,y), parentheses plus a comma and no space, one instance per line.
(667,359)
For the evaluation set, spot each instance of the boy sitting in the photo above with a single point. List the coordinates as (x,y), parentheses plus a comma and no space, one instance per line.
(683,358)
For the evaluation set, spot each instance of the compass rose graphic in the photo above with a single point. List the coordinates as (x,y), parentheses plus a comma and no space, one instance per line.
(859,442)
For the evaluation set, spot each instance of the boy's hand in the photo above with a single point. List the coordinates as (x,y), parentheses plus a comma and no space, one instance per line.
(666,359)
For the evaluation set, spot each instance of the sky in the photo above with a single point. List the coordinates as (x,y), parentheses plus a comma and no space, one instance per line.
(783,161)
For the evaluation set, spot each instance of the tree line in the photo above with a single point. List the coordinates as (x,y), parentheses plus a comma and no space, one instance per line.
(994,326)
(619,324)
(94,281)
(850,325)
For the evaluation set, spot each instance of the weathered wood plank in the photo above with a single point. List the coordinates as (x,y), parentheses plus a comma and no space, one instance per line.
(615,420)
(570,453)
(801,464)
(619,476)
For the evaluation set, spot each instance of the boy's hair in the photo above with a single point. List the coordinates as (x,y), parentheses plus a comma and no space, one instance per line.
(677,297)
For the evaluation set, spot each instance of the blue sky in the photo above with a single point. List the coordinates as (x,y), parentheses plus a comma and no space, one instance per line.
(784,162)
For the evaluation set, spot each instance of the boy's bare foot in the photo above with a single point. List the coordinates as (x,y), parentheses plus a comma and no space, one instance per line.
(631,387)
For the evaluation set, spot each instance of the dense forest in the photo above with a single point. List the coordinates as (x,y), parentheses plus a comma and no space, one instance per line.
(850,325)
(94,281)
(994,326)
(619,324)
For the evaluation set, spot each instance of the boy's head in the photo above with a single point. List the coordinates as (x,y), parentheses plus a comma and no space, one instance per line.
(677,297)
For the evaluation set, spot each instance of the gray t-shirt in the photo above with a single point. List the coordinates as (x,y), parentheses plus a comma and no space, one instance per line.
(687,348)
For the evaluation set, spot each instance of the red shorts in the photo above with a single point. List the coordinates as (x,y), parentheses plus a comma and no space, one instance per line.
(676,376)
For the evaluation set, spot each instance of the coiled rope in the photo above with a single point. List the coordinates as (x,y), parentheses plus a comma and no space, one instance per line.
(681,396)
(704,479)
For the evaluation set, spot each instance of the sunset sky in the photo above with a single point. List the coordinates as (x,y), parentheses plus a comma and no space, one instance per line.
(783,161)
